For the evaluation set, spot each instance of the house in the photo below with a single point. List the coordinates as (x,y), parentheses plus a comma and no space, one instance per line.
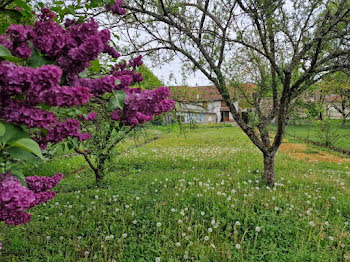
(337,107)
(202,104)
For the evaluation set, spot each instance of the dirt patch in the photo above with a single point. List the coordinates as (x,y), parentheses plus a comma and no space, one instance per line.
(302,152)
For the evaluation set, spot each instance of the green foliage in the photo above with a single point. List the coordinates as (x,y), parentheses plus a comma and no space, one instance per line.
(16,149)
(117,100)
(37,59)
(150,81)
(10,14)
(6,55)
(328,134)
(310,130)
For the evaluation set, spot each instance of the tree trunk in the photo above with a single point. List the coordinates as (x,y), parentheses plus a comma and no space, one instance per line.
(98,177)
(269,168)
(100,168)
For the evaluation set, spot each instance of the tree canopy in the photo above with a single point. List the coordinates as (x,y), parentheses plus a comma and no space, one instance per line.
(282,46)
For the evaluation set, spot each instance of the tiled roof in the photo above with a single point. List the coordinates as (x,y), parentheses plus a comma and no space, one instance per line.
(201,93)
(333,98)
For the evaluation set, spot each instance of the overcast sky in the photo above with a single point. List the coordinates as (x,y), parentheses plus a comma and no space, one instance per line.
(174,67)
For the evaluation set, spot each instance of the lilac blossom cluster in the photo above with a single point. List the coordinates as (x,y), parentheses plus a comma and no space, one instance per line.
(72,47)
(89,117)
(142,106)
(16,40)
(24,89)
(15,199)
(128,69)
(116,8)
(58,132)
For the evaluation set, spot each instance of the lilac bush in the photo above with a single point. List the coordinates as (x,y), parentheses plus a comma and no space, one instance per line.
(33,95)
(110,128)
(15,199)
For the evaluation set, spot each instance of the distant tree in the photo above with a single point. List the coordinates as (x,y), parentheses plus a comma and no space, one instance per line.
(150,80)
(283,46)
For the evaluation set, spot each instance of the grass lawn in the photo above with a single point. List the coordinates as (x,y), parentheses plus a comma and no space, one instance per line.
(198,198)
(312,132)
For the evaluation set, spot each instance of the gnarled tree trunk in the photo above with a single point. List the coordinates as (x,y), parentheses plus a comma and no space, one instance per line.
(269,168)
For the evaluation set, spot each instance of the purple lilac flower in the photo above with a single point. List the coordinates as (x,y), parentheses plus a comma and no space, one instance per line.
(90,116)
(62,130)
(39,184)
(19,113)
(15,198)
(116,8)
(142,106)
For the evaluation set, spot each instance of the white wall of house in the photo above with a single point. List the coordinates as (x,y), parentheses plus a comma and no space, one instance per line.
(333,113)
(202,107)
(214,107)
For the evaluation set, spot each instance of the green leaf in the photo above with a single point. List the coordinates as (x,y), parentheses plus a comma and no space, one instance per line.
(70,145)
(117,82)
(20,176)
(84,74)
(2,129)
(21,154)
(95,66)
(23,4)
(3,27)
(37,60)
(6,54)
(71,10)
(29,145)
(15,15)
(110,2)
(12,133)
(116,101)
(95,3)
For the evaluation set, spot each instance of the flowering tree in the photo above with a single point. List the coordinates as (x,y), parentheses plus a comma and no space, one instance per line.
(282,46)
(112,119)
(56,58)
